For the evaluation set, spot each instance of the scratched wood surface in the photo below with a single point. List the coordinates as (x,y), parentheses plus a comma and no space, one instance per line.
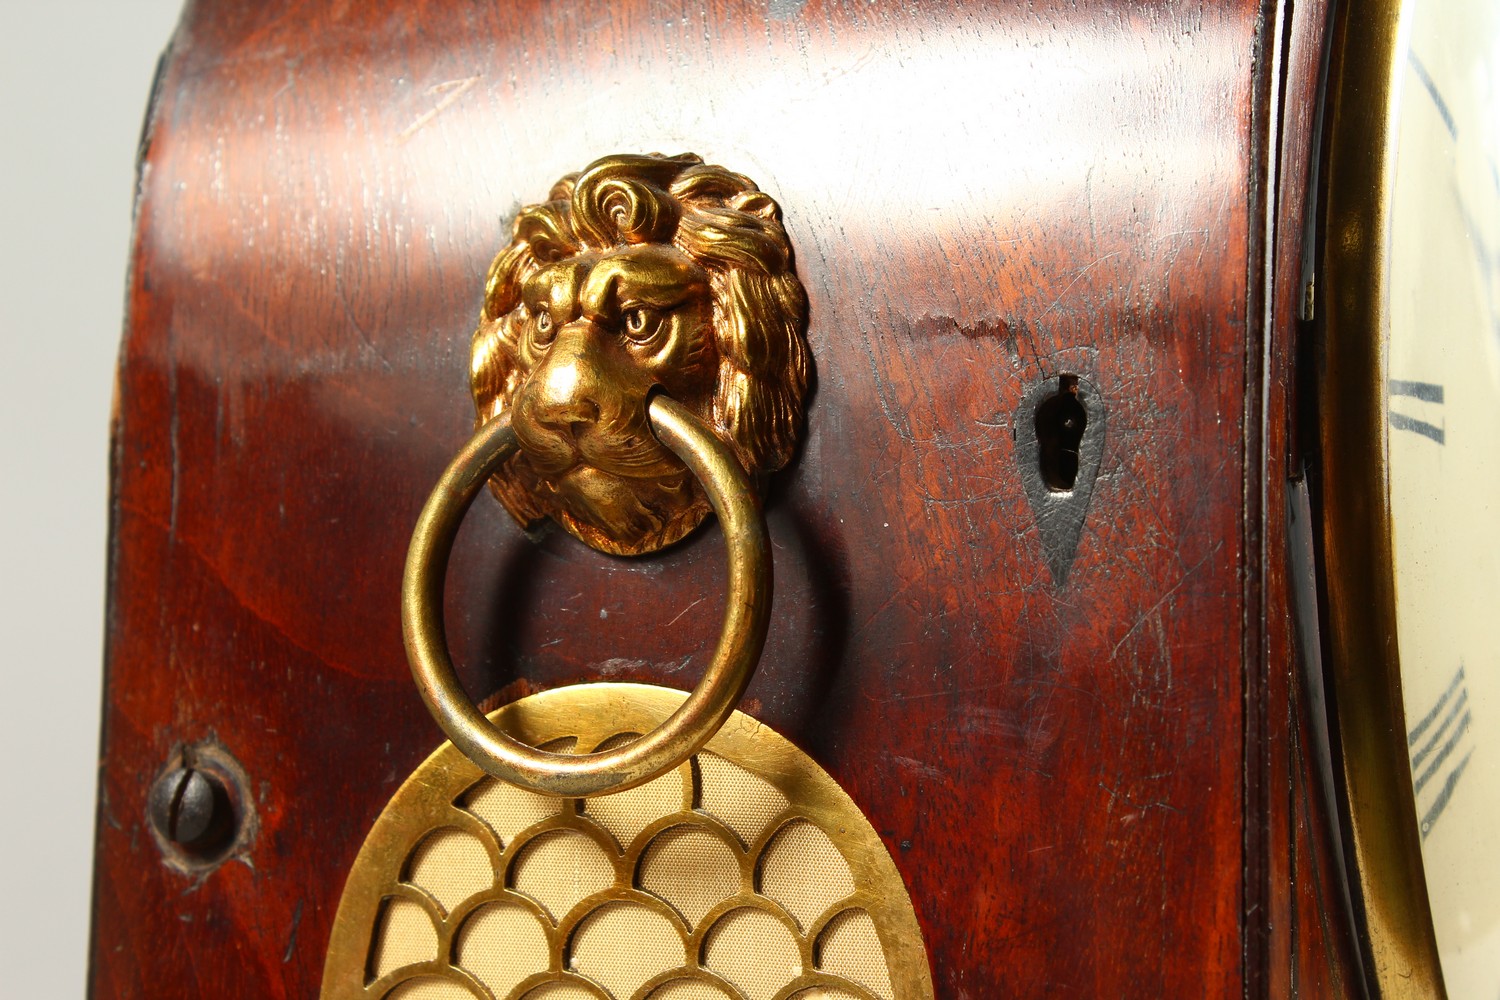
(981,196)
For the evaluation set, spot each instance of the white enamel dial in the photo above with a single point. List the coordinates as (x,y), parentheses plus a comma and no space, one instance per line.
(1443,414)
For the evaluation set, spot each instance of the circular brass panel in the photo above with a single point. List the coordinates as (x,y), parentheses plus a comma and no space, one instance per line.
(746,872)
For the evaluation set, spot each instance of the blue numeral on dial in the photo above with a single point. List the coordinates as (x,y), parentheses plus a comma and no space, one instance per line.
(1435,744)
(1427,392)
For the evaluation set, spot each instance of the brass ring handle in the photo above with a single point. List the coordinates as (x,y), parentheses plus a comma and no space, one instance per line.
(746,615)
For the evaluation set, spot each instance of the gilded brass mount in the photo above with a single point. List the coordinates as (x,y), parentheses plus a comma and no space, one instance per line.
(639,358)
(640,275)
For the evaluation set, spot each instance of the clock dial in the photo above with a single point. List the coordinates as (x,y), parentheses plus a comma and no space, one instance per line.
(1443,440)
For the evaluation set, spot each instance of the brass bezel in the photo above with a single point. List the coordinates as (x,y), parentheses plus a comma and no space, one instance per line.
(1400,946)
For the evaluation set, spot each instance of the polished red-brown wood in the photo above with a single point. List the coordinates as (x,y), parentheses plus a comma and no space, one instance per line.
(1092,789)
(1309,945)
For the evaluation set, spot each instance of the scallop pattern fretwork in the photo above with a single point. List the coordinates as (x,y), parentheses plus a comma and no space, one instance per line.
(711,882)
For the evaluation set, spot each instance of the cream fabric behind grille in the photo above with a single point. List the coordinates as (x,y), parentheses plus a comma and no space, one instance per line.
(849,947)
(502,944)
(559,869)
(743,801)
(452,866)
(508,810)
(708,883)
(799,848)
(404,935)
(754,951)
(687,989)
(693,869)
(561,991)
(621,945)
(430,989)
(625,814)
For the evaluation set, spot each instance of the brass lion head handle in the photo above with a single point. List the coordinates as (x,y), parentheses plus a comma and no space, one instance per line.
(640,274)
(639,361)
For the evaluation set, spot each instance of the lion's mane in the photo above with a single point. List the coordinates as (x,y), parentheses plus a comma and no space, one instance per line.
(720,219)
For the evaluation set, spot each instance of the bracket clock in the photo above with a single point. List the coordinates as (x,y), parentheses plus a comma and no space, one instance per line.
(800,499)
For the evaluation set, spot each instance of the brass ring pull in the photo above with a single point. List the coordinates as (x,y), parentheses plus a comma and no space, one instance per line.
(746,615)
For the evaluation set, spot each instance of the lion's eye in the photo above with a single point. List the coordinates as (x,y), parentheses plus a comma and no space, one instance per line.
(640,323)
(543,327)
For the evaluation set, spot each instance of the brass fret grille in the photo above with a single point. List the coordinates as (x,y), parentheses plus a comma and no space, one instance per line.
(746,873)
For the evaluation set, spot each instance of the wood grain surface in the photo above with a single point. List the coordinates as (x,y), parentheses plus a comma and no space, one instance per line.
(1091,789)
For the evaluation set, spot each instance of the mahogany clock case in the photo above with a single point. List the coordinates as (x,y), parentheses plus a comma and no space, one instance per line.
(1084,747)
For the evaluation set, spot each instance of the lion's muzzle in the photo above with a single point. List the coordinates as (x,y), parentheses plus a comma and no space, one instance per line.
(580,406)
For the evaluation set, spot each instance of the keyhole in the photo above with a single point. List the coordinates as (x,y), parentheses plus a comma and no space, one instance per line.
(1060,421)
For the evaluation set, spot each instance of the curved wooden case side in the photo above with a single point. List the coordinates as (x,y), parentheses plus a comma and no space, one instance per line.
(1084,785)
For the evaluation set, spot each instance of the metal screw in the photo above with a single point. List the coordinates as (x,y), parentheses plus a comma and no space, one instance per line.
(191,808)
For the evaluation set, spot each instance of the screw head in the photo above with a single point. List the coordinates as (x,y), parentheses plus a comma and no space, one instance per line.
(191,808)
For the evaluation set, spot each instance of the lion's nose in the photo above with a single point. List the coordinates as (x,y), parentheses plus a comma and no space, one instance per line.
(565,389)
(560,402)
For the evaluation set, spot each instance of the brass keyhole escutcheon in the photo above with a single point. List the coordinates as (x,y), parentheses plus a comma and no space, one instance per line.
(1059,434)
